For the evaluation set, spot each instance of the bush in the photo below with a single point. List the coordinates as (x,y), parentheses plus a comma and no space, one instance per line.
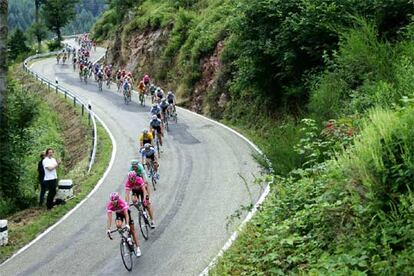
(27,132)
(54,45)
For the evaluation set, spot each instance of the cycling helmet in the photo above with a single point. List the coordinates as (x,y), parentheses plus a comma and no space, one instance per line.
(145,131)
(132,174)
(155,105)
(134,162)
(170,92)
(146,77)
(114,196)
(154,117)
(147,145)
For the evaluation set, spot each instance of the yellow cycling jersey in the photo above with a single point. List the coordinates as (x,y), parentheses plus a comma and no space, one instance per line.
(148,137)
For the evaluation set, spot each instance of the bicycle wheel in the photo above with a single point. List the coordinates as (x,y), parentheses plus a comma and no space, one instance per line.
(126,254)
(143,226)
(154,181)
(158,147)
(141,99)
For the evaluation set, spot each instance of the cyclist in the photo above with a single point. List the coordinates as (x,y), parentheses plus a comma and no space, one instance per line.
(171,98)
(148,155)
(159,94)
(119,78)
(138,168)
(58,58)
(152,90)
(136,185)
(164,105)
(141,87)
(146,80)
(156,110)
(121,209)
(127,86)
(145,138)
(100,77)
(156,125)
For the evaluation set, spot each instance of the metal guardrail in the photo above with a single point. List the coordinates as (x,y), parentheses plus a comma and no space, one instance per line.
(68,94)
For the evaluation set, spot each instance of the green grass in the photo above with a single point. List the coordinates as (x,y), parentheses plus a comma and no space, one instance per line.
(25,226)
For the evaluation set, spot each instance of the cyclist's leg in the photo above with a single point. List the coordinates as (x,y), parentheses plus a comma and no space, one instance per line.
(159,133)
(132,227)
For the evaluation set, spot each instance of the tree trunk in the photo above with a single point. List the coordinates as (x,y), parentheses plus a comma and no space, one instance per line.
(37,8)
(59,35)
(3,57)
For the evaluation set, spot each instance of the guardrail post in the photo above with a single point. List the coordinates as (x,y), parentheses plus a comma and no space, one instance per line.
(56,89)
(83,109)
(74,101)
(48,87)
(66,94)
(89,114)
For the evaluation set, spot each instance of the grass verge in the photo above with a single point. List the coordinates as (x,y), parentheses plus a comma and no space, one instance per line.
(26,225)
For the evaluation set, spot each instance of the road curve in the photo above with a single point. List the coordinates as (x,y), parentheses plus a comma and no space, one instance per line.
(199,188)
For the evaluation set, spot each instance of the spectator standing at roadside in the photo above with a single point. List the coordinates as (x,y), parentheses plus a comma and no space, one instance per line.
(41,176)
(50,180)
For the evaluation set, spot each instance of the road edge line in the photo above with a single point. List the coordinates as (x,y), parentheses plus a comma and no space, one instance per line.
(256,206)
(70,212)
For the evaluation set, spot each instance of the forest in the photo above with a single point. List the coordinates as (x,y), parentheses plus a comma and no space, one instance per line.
(21,15)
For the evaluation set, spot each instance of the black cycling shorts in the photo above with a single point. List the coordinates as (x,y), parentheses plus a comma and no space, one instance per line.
(171,101)
(121,217)
(139,193)
(146,142)
(158,129)
(163,109)
(151,157)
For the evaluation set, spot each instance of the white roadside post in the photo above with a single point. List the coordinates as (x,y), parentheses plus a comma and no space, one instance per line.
(4,237)
(65,189)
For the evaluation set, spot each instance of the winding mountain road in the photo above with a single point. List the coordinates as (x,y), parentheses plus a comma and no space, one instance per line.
(199,188)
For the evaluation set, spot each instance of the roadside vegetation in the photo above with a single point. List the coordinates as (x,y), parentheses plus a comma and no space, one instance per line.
(38,119)
(325,88)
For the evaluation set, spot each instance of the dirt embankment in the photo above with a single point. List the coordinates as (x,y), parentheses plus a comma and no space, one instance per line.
(142,52)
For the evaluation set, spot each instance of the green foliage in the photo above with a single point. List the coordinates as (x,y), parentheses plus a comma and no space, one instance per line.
(17,44)
(351,215)
(27,133)
(21,15)
(57,14)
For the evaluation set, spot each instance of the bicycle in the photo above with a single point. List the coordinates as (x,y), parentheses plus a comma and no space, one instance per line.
(157,142)
(165,120)
(100,81)
(108,82)
(172,114)
(143,218)
(142,98)
(152,174)
(126,246)
(127,96)
(85,76)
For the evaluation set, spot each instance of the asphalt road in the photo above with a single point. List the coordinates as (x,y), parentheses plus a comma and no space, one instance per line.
(199,188)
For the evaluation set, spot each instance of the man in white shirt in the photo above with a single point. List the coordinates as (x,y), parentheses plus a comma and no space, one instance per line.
(50,180)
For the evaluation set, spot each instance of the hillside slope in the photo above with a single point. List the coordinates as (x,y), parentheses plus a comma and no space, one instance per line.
(323,87)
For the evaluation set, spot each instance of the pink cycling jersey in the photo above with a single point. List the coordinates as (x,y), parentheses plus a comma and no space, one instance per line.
(135,185)
(119,208)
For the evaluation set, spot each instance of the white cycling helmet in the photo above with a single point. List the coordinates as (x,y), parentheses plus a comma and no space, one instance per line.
(154,117)
(170,92)
(145,131)
(147,145)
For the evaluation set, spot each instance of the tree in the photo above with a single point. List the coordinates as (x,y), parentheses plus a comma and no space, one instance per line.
(58,13)
(17,44)
(3,55)
(37,29)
